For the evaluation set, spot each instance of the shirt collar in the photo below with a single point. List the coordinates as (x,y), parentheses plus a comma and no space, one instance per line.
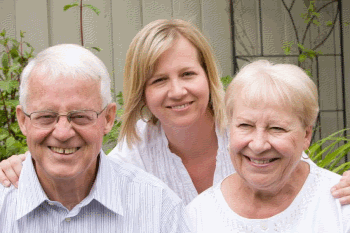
(30,193)
(106,190)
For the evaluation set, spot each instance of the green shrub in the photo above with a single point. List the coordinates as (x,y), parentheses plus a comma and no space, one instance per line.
(14,57)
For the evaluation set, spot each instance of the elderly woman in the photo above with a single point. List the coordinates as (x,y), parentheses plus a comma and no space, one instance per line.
(174,123)
(271,111)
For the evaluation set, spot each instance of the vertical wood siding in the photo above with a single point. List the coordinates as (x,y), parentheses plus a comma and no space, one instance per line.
(46,24)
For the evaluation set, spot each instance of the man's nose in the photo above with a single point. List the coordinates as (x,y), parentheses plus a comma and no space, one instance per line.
(63,129)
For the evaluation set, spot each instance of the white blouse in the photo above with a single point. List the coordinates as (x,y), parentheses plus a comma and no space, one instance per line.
(154,156)
(313,210)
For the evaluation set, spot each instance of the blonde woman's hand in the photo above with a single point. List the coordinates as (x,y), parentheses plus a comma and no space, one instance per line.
(10,170)
(342,189)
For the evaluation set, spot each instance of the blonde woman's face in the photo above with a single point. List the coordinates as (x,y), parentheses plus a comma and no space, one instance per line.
(178,91)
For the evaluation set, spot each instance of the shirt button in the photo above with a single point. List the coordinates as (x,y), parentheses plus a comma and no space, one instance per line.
(68,219)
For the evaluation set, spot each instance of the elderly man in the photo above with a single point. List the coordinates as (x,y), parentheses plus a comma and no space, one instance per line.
(67,183)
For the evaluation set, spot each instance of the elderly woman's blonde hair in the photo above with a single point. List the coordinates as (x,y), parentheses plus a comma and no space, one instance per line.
(262,83)
(143,53)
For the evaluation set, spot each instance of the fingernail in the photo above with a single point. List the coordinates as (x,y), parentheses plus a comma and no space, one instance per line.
(333,189)
(17,184)
(7,183)
(342,201)
(335,194)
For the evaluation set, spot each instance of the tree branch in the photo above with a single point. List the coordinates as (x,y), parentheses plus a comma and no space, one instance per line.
(293,23)
(81,22)
(309,23)
(329,33)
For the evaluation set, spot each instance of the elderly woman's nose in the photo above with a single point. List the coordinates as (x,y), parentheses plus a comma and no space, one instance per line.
(259,142)
(177,89)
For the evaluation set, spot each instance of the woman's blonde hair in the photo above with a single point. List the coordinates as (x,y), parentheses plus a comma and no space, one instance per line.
(261,82)
(144,51)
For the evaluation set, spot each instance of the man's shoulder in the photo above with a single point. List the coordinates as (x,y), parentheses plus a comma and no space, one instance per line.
(7,199)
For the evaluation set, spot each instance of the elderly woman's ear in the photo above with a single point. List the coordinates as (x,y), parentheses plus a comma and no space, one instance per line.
(308,136)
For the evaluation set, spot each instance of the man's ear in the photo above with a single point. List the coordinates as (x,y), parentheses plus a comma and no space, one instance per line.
(111,110)
(308,136)
(21,118)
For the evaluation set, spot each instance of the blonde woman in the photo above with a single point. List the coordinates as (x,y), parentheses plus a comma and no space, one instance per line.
(174,124)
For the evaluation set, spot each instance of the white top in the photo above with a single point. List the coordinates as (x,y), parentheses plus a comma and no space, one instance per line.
(154,156)
(313,210)
(122,199)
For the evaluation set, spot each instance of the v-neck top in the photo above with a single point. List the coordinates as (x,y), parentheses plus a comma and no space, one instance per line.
(153,155)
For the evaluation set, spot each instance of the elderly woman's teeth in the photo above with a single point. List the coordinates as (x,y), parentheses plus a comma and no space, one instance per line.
(262,161)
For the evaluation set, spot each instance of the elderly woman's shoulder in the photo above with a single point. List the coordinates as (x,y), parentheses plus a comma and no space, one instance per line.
(210,197)
(324,175)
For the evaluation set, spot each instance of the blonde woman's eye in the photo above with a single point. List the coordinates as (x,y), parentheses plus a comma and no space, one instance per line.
(189,73)
(158,80)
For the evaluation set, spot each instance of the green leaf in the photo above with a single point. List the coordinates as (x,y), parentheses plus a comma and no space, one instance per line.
(3,33)
(331,156)
(4,133)
(95,9)
(302,57)
(287,47)
(12,103)
(14,52)
(226,81)
(342,168)
(308,72)
(329,23)
(10,141)
(120,99)
(98,49)
(21,33)
(15,68)
(66,7)
(5,60)
(316,22)
(8,85)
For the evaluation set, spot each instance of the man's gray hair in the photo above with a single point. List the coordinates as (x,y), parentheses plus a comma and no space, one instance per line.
(67,60)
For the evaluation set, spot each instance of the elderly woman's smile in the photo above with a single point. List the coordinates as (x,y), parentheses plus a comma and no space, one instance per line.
(266,143)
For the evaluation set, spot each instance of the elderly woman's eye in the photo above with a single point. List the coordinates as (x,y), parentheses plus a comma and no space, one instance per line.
(244,125)
(278,129)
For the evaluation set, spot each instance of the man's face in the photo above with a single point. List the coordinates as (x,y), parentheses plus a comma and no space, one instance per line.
(65,151)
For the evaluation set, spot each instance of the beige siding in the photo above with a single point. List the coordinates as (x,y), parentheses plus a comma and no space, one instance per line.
(47,24)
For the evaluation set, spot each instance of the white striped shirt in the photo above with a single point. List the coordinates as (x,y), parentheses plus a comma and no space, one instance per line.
(122,199)
(153,155)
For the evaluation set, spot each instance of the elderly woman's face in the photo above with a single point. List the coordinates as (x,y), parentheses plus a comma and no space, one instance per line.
(266,144)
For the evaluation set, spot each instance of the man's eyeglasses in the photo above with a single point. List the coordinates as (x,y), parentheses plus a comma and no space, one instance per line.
(48,119)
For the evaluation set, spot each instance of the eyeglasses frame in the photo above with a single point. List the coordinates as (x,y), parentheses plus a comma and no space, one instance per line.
(67,115)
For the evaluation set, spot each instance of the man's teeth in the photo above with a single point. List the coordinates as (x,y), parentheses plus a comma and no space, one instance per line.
(180,106)
(262,161)
(64,151)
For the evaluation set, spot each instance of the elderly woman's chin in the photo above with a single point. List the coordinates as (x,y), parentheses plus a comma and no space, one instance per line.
(271,179)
